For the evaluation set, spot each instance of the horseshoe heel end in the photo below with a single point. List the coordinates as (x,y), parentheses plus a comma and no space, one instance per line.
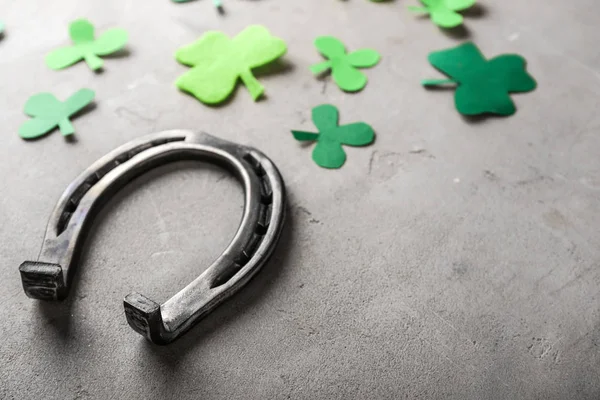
(144,316)
(43,281)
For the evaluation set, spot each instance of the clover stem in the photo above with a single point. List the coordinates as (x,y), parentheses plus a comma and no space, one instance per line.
(436,82)
(65,126)
(93,61)
(305,136)
(253,85)
(321,67)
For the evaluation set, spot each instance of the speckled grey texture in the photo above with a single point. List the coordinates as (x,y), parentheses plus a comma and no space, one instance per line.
(452,259)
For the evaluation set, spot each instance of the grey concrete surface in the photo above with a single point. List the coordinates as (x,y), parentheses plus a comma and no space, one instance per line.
(452,259)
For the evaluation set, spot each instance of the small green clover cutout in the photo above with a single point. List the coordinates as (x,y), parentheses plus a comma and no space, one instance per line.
(344,66)
(86,47)
(218,61)
(444,12)
(482,86)
(328,152)
(47,113)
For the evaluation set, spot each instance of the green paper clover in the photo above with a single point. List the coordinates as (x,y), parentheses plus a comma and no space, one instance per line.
(328,152)
(86,47)
(218,61)
(444,12)
(344,66)
(482,86)
(48,113)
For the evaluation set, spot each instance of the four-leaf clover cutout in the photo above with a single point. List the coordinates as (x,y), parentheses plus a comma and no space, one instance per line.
(344,66)
(47,113)
(482,86)
(218,61)
(444,12)
(328,152)
(86,46)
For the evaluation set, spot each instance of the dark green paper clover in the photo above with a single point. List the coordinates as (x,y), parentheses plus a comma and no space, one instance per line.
(328,152)
(482,86)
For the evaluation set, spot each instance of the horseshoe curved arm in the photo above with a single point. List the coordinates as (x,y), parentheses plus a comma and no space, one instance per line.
(49,278)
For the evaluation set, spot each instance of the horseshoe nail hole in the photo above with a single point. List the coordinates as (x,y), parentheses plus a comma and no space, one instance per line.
(255,164)
(240,262)
(264,219)
(242,259)
(252,246)
(266,192)
(226,276)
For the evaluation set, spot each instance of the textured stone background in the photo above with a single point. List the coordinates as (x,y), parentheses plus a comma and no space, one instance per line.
(452,259)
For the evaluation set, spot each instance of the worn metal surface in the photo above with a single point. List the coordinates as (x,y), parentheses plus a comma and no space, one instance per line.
(50,276)
(452,259)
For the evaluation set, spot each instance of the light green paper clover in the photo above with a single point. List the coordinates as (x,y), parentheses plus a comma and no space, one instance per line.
(86,47)
(47,113)
(344,66)
(444,12)
(218,61)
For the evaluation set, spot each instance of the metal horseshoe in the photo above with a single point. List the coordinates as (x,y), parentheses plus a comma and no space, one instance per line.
(261,225)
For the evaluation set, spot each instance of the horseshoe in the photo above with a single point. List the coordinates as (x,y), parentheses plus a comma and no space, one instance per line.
(262,221)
